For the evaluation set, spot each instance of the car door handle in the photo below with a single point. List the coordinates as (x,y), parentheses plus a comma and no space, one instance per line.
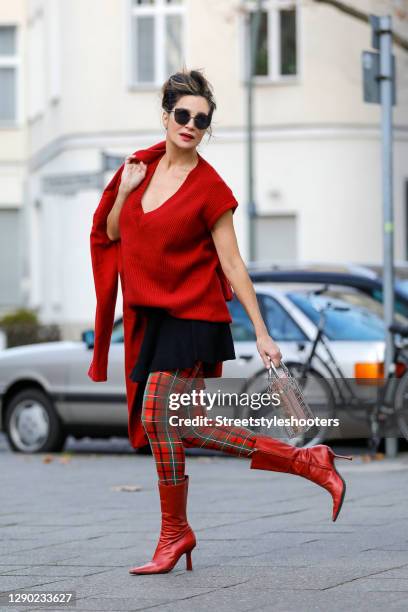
(246,357)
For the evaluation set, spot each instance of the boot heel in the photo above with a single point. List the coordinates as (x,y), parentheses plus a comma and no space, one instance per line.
(189,565)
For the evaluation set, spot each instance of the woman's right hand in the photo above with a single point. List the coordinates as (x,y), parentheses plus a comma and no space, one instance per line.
(132,175)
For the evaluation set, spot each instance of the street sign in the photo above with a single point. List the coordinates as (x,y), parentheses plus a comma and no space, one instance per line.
(375,31)
(372,77)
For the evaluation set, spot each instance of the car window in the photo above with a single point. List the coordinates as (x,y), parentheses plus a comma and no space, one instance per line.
(356,323)
(402,285)
(117,332)
(280,324)
(400,307)
(354,297)
(241,327)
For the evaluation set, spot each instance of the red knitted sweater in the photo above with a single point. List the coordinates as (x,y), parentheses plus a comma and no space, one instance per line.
(166,258)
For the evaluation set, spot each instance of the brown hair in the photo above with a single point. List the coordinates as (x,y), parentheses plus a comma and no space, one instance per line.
(187,83)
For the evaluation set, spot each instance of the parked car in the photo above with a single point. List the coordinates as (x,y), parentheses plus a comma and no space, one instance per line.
(367,281)
(46,394)
(313,266)
(400,274)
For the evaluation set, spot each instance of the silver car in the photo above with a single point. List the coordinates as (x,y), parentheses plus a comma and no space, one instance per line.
(46,394)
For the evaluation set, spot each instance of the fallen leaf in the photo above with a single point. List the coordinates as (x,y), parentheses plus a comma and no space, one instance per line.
(65,459)
(128,488)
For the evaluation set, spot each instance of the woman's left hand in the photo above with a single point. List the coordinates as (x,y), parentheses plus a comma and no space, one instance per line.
(267,348)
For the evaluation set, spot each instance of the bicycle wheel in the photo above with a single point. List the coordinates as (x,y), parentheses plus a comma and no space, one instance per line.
(401,406)
(317,394)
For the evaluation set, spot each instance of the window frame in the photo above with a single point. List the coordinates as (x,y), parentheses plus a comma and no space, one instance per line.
(14,62)
(274,76)
(36,65)
(158,11)
(53,51)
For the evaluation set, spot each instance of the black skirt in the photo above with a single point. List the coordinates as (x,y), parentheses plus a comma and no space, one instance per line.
(170,343)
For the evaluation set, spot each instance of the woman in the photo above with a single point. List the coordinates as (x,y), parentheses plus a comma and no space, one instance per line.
(173,216)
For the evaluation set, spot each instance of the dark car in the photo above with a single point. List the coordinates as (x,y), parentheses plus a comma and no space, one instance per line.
(370,283)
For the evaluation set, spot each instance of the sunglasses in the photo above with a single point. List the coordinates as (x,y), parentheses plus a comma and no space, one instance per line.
(182,116)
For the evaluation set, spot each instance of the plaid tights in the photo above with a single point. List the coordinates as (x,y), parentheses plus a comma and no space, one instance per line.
(168,441)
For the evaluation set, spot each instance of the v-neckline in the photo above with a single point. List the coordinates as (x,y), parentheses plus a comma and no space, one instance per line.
(149,212)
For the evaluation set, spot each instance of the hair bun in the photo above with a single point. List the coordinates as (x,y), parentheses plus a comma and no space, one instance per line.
(187,83)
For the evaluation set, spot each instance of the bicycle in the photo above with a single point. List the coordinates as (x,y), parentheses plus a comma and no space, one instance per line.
(386,413)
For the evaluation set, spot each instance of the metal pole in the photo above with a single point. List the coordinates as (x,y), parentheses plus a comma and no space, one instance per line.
(253,32)
(391,444)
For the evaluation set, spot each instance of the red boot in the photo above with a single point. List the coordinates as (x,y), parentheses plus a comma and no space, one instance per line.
(176,536)
(315,464)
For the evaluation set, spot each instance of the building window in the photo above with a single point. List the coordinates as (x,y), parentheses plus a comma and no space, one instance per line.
(277,50)
(10,256)
(157,40)
(36,65)
(8,74)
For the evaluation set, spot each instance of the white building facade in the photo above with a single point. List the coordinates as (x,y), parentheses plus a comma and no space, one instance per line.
(13,153)
(94,72)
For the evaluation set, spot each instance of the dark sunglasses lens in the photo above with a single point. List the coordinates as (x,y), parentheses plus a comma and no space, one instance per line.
(202,121)
(182,116)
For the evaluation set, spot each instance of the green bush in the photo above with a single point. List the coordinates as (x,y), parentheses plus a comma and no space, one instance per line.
(22,327)
(22,315)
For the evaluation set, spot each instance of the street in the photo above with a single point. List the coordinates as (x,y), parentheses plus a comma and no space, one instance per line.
(265,540)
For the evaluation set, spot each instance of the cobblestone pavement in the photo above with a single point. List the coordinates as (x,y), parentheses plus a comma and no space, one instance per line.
(265,540)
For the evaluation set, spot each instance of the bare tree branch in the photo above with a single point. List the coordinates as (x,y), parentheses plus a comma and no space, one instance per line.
(400,41)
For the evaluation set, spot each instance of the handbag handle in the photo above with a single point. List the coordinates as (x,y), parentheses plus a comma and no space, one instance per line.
(275,369)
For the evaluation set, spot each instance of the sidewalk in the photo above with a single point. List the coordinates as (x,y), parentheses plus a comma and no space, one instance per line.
(265,540)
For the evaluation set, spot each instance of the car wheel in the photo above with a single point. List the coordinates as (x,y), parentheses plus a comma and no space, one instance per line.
(32,424)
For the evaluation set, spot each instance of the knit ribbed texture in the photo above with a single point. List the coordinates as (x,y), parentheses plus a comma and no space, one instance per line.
(168,254)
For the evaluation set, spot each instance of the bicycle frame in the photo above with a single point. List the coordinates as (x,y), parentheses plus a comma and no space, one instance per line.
(334,370)
(377,410)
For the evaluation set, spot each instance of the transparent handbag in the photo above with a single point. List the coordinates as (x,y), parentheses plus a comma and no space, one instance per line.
(292,408)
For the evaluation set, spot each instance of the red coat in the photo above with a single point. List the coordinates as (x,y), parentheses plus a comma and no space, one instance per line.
(203,297)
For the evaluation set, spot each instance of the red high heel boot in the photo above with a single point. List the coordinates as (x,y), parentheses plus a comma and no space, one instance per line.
(176,536)
(315,464)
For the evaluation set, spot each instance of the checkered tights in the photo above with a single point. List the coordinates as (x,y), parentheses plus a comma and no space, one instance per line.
(168,441)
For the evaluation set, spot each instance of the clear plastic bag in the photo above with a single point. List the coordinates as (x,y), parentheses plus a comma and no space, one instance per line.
(292,408)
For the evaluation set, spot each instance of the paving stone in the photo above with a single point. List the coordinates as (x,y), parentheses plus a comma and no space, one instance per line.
(265,541)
